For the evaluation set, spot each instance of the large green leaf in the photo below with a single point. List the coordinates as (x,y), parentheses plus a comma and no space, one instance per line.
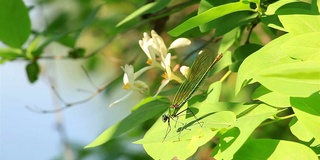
(304,46)
(208,16)
(300,24)
(299,79)
(272,98)
(268,56)
(183,140)
(235,137)
(307,111)
(145,110)
(15,23)
(274,149)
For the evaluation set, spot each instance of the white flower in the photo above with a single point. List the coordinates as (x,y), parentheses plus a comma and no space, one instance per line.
(154,47)
(130,82)
(185,70)
(158,56)
(167,75)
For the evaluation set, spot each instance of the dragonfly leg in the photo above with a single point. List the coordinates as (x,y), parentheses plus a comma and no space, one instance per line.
(188,109)
(168,130)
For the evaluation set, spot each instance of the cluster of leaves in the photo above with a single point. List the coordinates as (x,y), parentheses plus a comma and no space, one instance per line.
(16,32)
(286,73)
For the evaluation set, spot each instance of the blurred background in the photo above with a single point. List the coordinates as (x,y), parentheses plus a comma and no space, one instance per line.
(26,133)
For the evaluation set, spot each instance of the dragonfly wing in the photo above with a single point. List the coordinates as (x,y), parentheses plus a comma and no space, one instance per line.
(199,70)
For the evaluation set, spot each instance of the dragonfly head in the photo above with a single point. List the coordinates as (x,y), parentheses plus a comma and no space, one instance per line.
(165,118)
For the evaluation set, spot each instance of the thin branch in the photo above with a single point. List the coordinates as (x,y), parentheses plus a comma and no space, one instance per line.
(70,104)
(89,77)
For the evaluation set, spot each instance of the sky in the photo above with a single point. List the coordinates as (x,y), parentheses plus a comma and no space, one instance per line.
(33,135)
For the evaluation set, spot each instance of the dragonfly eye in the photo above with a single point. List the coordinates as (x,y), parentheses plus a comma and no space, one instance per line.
(165,118)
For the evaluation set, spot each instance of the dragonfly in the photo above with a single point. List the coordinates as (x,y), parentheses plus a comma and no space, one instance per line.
(198,72)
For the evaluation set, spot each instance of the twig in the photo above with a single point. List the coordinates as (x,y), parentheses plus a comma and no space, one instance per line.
(70,104)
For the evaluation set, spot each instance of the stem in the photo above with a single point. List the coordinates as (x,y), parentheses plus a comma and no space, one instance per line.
(225,76)
(278,119)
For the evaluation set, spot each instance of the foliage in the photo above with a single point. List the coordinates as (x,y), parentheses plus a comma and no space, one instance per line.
(277,83)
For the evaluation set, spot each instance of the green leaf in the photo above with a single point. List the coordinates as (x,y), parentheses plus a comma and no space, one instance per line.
(272,98)
(146,111)
(228,39)
(304,46)
(214,92)
(15,23)
(9,54)
(274,149)
(288,7)
(307,111)
(272,21)
(234,138)
(299,79)
(299,130)
(268,56)
(225,23)
(242,53)
(33,71)
(148,8)
(300,24)
(76,53)
(208,16)
(186,138)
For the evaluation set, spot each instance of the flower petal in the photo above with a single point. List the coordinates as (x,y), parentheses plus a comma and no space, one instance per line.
(128,76)
(165,82)
(121,99)
(185,70)
(142,70)
(159,43)
(180,42)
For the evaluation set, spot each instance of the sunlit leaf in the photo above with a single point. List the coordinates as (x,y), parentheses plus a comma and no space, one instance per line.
(234,138)
(208,16)
(185,137)
(304,46)
(307,111)
(300,24)
(299,79)
(143,113)
(268,56)
(274,149)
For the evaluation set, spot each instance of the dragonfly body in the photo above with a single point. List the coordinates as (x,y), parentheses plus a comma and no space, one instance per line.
(198,72)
